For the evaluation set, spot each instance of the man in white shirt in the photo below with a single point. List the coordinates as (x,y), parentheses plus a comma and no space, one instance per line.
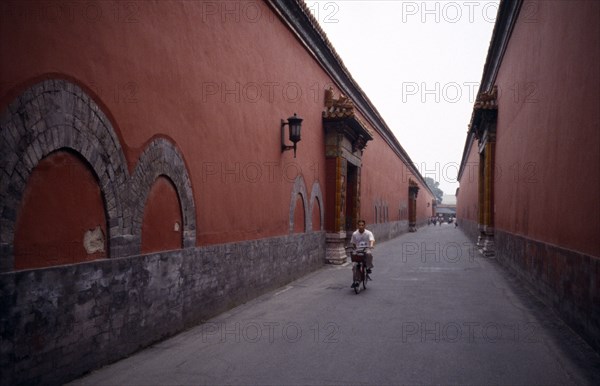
(363,238)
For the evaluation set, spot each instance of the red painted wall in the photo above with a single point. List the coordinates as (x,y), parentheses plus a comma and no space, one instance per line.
(216,86)
(467,207)
(161,227)
(384,179)
(212,83)
(548,126)
(423,211)
(51,224)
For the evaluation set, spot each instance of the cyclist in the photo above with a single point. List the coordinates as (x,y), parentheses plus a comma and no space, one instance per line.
(363,238)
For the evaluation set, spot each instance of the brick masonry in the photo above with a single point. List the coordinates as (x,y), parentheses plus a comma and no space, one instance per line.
(61,322)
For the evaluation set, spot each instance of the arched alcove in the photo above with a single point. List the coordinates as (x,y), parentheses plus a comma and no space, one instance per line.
(51,227)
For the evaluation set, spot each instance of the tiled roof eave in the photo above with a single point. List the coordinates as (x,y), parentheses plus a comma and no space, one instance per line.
(297,15)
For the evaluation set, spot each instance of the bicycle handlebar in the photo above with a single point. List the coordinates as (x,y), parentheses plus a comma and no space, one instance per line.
(360,250)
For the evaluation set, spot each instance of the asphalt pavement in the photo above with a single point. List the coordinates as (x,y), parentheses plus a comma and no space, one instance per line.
(436,312)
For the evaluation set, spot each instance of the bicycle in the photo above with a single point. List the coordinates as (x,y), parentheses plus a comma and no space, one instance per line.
(359,270)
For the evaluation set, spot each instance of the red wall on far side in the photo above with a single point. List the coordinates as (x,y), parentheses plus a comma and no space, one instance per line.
(547,157)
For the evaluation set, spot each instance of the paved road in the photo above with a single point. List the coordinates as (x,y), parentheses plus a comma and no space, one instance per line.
(435,313)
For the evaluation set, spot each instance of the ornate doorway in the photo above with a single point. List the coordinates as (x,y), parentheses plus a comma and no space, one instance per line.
(346,137)
(484,127)
(413,191)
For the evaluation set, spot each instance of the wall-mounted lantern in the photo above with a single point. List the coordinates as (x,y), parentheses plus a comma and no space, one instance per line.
(295,125)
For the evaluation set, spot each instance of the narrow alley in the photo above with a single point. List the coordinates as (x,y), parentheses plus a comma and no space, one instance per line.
(436,312)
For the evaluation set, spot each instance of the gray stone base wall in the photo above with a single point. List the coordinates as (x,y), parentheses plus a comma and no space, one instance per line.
(58,323)
(469,228)
(388,230)
(567,281)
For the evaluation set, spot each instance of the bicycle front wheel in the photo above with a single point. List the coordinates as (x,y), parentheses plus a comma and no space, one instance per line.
(356,277)
(364,277)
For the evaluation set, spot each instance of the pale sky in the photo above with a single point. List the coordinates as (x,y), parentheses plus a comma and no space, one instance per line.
(420,64)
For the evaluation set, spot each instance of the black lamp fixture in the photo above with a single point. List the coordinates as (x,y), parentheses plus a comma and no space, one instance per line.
(295,125)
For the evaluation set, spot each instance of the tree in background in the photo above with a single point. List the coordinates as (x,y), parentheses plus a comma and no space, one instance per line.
(434,186)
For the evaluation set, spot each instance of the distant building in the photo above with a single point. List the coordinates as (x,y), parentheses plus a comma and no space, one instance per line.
(447,209)
(529,176)
(447,213)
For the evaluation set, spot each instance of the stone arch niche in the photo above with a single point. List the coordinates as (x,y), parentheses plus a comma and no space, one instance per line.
(52,115)
(299,193)
(162,158)
(51,229)
(346,137)
(162,219)
(299,217)
(316,207)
